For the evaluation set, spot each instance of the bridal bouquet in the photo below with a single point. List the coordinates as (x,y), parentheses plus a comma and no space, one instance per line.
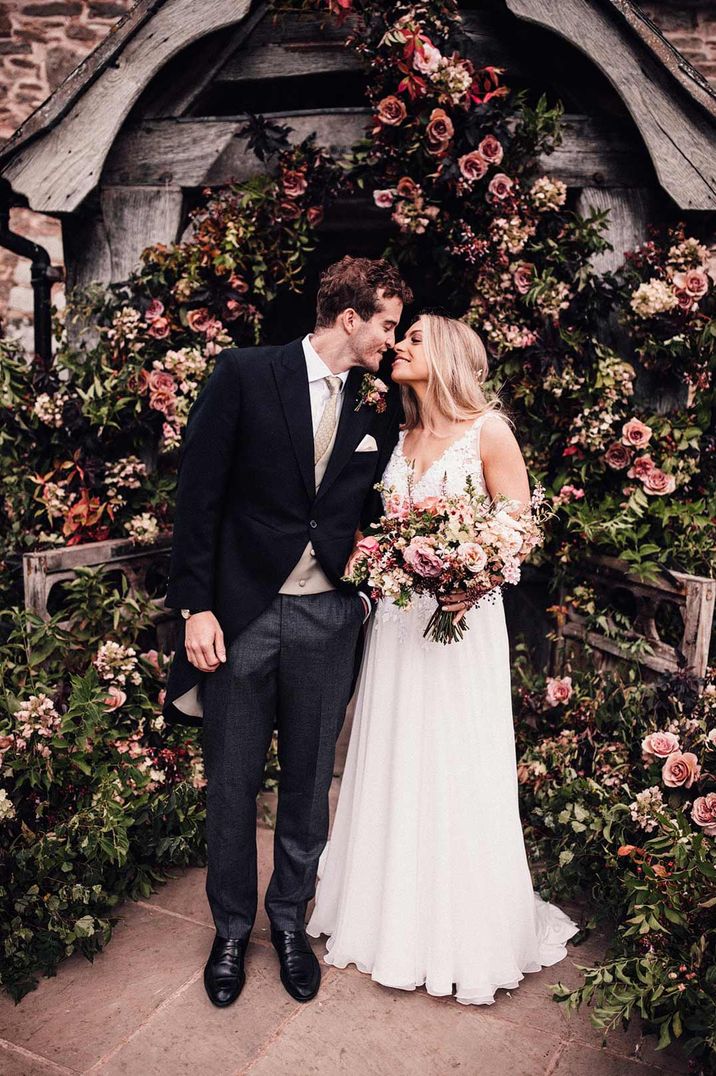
(467,543)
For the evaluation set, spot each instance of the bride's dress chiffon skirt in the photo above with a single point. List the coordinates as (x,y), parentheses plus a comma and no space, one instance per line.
(425,879)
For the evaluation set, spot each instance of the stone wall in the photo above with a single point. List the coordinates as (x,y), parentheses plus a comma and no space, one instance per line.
(690,25)
(41,42)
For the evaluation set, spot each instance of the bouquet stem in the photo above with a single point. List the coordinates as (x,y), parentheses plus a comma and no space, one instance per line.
(441,627)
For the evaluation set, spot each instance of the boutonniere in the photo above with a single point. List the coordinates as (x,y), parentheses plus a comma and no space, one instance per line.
(372,393)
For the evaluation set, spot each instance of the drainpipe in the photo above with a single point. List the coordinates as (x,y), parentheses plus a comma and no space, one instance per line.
(42,275)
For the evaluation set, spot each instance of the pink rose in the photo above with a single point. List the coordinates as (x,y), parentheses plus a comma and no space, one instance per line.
(472,555)
(680,770)
(288,211)
(161,380)
(500,186)
(114,698)
(408,188)
(152,658)
(685,300)
(641,467)
(162,696)
(559,690)
(693,281)
(294,183)
(199,320)
(154,310)
(618,456)
(422,558)
(164,401)
(472,166)
(439,131)
(370,546)
(635,433)
(491,149)
(314,215)
(711,737)
(522,273)
(159,328)
(238,283)
(659,745)
(426,57)
(365,549)
(385,198)
(391,111)
(658,482)
(5,743)
(703,813)
(433,505)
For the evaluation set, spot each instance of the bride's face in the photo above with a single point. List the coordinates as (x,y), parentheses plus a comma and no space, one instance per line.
(410,364)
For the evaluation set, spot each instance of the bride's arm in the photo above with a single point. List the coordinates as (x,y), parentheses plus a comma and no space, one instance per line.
(502,463)
(504,471)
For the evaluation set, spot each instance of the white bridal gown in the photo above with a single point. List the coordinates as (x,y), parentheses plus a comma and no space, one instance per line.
(425,879)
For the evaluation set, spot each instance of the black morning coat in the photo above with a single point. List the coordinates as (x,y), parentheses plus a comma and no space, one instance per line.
(246,503)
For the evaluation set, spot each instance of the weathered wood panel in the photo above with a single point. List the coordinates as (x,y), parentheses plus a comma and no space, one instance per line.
(45,569)
(682,147)
(288,61)
(133,218)
(171,94)
(58,170)
(189,152)
(693,595)
(49,568)
(629,214)
(58,104)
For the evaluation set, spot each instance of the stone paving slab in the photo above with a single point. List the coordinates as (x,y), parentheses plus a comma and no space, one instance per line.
(76,1017)
(16,1062)
(141,1010)
(359,1027)
(192,1036)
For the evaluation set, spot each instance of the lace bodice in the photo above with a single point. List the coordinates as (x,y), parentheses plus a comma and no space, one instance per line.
(449,471)
(448,474)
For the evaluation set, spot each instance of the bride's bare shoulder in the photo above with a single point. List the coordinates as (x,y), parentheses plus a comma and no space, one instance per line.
(496,435)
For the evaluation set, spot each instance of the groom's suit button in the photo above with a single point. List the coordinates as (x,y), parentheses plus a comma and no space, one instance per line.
(313,523)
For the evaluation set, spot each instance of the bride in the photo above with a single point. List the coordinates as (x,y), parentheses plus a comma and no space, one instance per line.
(425,879)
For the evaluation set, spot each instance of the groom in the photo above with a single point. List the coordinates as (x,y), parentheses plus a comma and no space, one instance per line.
(281,453)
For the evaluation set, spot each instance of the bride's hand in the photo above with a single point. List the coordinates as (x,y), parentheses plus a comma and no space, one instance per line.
(455,603)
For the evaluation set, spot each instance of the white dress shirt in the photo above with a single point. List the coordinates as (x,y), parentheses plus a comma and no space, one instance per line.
(319,394)
(319,391)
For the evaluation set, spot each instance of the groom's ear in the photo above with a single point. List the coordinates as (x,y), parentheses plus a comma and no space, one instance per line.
(349,319)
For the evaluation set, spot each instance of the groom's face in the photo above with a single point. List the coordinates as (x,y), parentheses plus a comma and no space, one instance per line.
(371,339)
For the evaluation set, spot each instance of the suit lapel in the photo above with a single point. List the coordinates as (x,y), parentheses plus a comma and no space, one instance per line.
(289,370)
(352,425)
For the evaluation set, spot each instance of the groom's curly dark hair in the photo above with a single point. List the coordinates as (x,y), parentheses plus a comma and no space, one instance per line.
(355,283)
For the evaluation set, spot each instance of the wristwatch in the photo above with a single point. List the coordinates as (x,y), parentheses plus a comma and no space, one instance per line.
(186,613)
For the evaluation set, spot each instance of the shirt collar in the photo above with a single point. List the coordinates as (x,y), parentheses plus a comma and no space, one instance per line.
(315,365)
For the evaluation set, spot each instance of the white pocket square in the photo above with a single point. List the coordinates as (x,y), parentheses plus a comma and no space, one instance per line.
(368,444)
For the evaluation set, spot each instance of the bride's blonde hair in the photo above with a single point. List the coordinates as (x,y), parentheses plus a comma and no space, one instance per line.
(457,369)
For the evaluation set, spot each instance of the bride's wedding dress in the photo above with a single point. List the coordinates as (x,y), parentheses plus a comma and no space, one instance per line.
(425,879)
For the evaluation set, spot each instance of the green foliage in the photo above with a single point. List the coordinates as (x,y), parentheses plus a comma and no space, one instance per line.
(602,821)
(98,800)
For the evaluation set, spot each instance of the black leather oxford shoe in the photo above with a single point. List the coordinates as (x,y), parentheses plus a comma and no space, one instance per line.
(224,975)
(300,971)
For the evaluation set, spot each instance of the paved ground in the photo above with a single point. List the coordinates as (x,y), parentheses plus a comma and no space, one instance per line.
(141,1010)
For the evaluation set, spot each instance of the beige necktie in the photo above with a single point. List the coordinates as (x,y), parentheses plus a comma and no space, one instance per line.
(327,425)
